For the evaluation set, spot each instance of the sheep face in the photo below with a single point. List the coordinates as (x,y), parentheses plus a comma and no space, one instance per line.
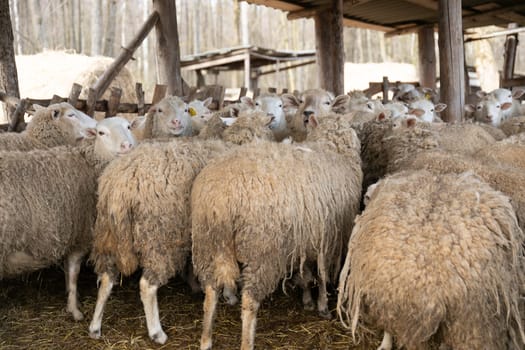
(171,117)
(488,110)
(314,102)
(397,109)
(428,108)
(199,109)
(113,138)
(74,124)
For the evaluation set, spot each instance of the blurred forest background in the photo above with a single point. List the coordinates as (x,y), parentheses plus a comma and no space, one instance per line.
(102,27)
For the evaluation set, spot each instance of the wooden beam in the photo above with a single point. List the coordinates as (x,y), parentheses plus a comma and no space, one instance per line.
(76,89)
(112,71)
(348,22)
(472,20)
(427,57)
(495,34)
(329,47)
(265,72)
(276,4)
(451,60)
(168,50)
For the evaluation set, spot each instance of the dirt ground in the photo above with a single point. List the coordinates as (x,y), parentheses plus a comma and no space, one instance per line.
(33,316)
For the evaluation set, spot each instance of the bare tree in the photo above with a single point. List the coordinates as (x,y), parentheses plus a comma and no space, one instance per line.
(8,74)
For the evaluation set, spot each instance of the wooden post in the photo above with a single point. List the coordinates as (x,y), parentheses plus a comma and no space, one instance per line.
(168,50)
(385,87)
(511,43)
(140,99)
(18,116)
(329,47)
(8,72)
(76,89)
(427,57)
(451,60)
(200,78)
(247,71)
(158,93)
(113,102)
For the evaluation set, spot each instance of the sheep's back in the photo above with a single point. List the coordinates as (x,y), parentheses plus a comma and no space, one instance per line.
(430,249)
(47,206)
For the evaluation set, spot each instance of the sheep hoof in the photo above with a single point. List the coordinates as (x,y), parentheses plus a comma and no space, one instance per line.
(325,314)
(95,334)
(231,299)
(206,345)
(309,306)
(77,315)
(160,337)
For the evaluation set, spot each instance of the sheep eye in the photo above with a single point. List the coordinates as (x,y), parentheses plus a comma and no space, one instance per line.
(101,133)
(71,115)
(159,110)
(129,127)
(432,110)
(257,103)
(479,107)
(327,103)
(280,106)
(186,110)
(498,106)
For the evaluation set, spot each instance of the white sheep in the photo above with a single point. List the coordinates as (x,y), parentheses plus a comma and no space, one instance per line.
(48,203)
(272,105)
(429,109)
(271,224)
(505,97)
(436,258)
(312,102)
(144,214)
(55,125)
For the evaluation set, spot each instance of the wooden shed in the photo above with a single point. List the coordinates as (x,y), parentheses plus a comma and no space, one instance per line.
(450,17)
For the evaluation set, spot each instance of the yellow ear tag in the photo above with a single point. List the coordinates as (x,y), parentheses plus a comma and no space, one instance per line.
(428,96)
(192,111)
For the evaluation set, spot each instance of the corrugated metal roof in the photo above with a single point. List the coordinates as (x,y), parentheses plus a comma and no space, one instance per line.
(398,15)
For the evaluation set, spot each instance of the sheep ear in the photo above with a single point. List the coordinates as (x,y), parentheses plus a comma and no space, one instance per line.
(247,101)
(506,106)
(138,122)
(55,113)
(481,93)
(411,122)
(207,101)
(470,108)
(290,100)
(417,112)
(440,107)
(339,103)
(517,93)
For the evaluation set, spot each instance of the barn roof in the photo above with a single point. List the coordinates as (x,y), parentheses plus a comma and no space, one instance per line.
(405,16)
(234,58)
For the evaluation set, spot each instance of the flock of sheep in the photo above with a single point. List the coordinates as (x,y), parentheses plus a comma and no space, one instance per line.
(418,222)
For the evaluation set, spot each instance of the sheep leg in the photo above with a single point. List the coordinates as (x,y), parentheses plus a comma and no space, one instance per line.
(72,268)
(104,290)
(148,295)
(210,306)
(322,300)
(250,306)
(386,344)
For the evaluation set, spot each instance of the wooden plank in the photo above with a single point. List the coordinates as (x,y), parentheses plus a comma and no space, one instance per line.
(168,49)
(495,34)
(509,83)
(243,91)
(91,101)
(76,89)
(276,4)
(451,60)
(427,57)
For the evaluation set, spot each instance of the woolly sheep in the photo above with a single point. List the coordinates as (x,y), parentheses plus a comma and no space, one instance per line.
(144,214)
(503,153)
(170,117)
(317,102)
(200,113)
(512,126)
(397,109)
(436,258)
(48,203)
(271,104)
(505,96)
(55,125)
(270,224)
(429,109)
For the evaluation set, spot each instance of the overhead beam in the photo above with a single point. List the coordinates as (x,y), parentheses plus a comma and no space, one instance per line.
(472,19)
(277,4)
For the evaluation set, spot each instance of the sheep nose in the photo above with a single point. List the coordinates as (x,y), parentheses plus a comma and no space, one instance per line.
(175,122)
(489,118)
(307,114)
(126,146)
